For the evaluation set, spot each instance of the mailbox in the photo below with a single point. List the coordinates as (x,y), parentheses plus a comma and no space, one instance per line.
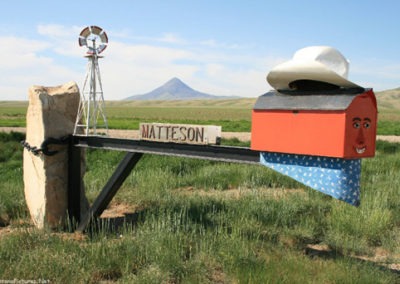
(337,123)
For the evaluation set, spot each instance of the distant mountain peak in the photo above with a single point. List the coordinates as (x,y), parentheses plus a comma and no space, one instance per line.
(175,81)
(175,84)
(175,89)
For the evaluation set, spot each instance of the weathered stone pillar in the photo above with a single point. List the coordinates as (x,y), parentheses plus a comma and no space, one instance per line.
(51,113)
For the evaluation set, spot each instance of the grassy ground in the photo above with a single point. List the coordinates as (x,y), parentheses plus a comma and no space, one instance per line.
(232,115)
(193,221)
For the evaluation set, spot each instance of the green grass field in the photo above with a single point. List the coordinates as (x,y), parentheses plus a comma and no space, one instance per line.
(234,115)
(194,221)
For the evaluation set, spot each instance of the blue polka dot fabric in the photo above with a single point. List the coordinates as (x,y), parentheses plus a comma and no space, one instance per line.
(339,178)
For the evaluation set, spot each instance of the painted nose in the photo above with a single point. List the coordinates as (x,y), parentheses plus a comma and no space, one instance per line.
(360,137)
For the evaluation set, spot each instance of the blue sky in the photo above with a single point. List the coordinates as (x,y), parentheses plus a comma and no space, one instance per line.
(217,47)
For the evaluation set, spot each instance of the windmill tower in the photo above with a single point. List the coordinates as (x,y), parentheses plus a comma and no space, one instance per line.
(91,113)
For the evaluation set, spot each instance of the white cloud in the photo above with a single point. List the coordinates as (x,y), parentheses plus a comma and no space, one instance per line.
(212,43)
(214,69)
(24,62)
(128,68)
(62,40)
(209,43)
(172,38)
(58,31)
(16,53)
(376,74)
(134,69)
(144,54)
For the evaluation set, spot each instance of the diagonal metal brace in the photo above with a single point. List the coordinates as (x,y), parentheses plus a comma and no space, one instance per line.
(110,189)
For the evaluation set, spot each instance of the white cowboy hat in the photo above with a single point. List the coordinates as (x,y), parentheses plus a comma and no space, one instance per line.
(315,63)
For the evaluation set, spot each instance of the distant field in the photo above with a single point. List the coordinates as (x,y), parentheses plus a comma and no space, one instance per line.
(231,115)
(229,103)
(389,100)
(234,115)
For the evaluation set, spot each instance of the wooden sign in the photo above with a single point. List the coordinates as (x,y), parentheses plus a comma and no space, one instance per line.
(180,133)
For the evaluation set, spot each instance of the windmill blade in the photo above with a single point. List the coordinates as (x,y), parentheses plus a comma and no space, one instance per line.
(103,37)
(82,41)
(85,32)
(101,48)
(96,30)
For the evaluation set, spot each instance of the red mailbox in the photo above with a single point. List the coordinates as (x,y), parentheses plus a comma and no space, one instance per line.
(337,123)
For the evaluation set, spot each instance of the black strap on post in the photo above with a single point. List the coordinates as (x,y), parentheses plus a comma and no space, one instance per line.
(44,147)
(74,171)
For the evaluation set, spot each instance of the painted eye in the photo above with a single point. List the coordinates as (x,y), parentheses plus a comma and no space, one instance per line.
(356,124)
(367,125)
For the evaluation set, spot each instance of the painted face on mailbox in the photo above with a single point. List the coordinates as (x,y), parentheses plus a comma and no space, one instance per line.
(362,134)
(361,118)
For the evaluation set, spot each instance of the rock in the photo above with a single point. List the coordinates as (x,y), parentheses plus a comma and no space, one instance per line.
(51,113)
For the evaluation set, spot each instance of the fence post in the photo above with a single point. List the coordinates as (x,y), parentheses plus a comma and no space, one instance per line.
(50,116)
(75,183)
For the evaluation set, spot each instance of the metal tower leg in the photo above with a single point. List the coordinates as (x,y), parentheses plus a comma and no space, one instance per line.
(91,106)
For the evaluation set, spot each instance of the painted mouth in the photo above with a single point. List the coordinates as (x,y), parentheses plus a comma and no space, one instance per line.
(361,150)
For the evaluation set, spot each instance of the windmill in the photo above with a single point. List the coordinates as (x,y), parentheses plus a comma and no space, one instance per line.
(91,113)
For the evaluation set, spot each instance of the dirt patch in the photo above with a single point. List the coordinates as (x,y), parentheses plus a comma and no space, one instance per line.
(380,256)
(4,231)
(237,193)
(389,138)
(241,136)
(115,210)
(13,129)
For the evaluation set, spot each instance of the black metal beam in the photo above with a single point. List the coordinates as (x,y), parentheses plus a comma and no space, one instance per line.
(110,189)
(208,152)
